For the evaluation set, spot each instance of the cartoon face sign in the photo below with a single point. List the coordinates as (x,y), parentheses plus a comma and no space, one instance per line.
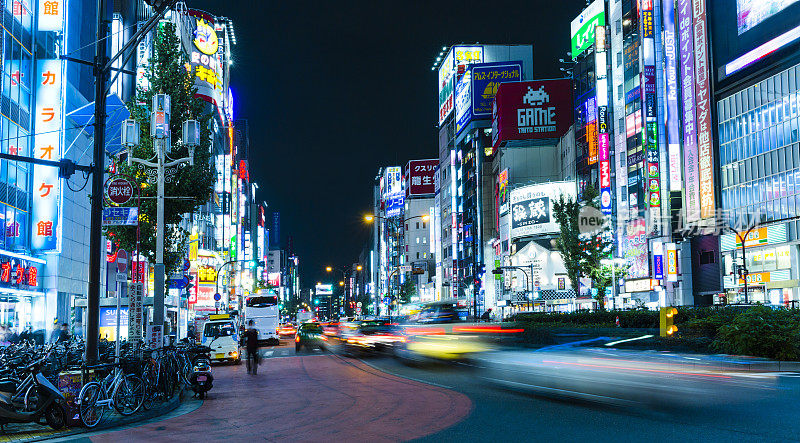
(205,38)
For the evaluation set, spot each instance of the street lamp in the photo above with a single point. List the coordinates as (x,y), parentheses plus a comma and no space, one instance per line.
(166,170)
(369,218)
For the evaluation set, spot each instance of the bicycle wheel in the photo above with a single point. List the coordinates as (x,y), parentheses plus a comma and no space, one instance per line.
(149,397)
(128,394)
(90,412)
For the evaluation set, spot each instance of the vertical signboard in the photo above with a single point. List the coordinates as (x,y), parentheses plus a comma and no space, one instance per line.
(650,134)
(463,101)
(603,137)
(486,79)
(690,163)
(703,100)
(672,262)
(51,14)
(46,184)
(671,102)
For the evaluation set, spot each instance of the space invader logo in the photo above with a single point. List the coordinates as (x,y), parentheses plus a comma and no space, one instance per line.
(536,97)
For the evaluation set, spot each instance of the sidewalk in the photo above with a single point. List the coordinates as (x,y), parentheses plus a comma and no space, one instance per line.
(111,419)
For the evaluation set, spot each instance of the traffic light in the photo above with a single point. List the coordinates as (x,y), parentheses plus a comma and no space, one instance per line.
(667,317)
(316,301)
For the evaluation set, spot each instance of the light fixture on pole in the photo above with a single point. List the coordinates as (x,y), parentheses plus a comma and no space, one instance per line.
(161,135)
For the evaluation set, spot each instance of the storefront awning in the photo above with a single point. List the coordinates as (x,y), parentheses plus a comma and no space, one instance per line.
(116,113)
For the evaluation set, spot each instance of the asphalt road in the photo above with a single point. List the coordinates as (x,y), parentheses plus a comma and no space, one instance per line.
(502,414)
(317,396)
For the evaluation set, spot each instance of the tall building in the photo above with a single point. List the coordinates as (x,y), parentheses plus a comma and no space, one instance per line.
(754,109)
(468,77)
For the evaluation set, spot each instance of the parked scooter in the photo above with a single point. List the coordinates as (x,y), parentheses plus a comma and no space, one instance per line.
(201,380)
(33,399)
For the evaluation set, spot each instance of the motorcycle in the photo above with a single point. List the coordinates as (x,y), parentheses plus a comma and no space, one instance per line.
(35,397)
(201,380)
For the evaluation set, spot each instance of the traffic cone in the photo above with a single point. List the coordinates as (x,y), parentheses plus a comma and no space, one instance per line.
(617,321)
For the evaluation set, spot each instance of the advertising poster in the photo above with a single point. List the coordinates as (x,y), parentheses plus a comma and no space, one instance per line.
(532,207)
(635,249)
(533,110)
(108,323)
(201,43)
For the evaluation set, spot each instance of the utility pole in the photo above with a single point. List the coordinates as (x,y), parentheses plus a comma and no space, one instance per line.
(96,214)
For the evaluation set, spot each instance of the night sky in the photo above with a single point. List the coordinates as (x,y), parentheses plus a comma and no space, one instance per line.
(334,89)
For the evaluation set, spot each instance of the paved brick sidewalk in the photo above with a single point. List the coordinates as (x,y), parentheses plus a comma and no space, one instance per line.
(309,398)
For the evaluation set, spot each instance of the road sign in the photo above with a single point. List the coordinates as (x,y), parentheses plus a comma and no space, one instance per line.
(217,296)
(125,216)
(118,190)
(122,277)
(122,260)
(405,268)
(186,264)
(179,283)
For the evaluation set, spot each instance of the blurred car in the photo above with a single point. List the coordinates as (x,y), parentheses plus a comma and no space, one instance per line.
(287,330)
(310,335)
(369,336)
(436,345)
(445,311)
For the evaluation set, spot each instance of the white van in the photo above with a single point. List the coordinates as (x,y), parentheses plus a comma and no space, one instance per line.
(264,311)
(220,335)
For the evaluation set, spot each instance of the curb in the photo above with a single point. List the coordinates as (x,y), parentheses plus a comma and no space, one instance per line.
(110,424)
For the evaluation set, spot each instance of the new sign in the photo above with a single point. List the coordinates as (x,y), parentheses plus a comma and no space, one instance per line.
(532,110)
(420,176)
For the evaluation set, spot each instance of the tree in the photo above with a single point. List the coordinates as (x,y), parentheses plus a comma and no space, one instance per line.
(583,253)
(407,290)
(167,74)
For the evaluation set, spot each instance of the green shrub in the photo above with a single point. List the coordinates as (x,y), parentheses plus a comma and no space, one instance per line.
(762,332)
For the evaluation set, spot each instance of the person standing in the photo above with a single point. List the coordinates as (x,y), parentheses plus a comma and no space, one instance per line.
(251,343)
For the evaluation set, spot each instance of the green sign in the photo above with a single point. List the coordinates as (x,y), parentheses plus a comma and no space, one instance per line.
(582,28)
(497,266)
(233,248)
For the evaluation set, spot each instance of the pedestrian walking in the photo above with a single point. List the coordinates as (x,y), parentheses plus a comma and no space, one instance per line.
(251,343)
(63,334)
(55,332)
(487,315)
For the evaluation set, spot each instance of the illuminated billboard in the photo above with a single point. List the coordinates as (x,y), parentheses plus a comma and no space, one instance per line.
(420,177)
(454,63)
(202,45)
(750,35)
(582,29)
(532,207)
(324,289)
(532,110)
(750,13)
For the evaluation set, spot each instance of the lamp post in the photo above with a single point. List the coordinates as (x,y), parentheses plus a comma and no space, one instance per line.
(369,218)
(161,135)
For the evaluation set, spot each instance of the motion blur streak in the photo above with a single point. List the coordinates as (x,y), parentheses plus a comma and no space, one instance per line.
(487,329)
(635,369)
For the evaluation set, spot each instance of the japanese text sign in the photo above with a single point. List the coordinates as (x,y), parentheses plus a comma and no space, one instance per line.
(420,177)
(532,207)
(47,146)
(486,78)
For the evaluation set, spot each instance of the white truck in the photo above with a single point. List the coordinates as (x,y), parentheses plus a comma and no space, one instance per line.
(263,310)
